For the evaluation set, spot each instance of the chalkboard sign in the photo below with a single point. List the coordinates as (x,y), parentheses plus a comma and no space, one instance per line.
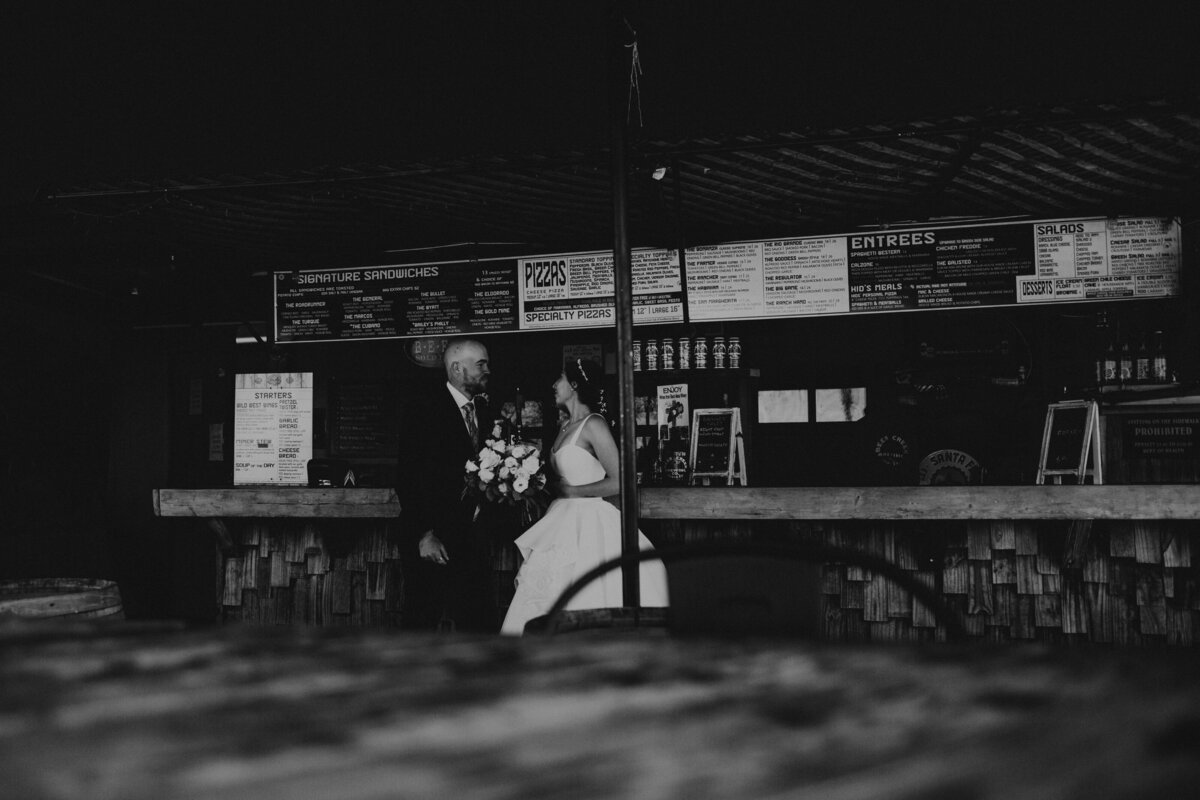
(1071,441)
(363,421)
(716,448)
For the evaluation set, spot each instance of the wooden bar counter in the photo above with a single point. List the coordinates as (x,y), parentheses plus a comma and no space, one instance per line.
(1008,558)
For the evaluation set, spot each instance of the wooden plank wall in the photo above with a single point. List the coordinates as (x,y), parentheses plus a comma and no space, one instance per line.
(1136,583)
(324,572)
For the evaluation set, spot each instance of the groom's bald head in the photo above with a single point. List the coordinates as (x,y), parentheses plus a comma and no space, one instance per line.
(467,367)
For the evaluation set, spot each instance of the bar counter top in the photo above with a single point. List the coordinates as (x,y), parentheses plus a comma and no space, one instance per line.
(1127,502)
(154,711)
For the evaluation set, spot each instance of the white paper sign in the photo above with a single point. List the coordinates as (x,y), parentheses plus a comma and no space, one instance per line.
(272,428)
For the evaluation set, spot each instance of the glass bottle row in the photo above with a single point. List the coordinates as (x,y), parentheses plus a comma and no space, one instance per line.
(1123,364)
(687,352)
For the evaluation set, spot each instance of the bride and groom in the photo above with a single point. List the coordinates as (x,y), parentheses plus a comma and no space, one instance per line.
(580,529)
(448,579)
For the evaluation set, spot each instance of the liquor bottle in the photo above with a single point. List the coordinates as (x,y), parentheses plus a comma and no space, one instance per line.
(517,434)
(735,352)
(1125,365)
(1141,363)
(1159,369)
(1101,335)
(685,352)
(718,352)
(1110,365)
(700,352)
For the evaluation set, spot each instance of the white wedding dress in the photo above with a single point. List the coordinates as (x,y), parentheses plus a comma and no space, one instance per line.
(575,535)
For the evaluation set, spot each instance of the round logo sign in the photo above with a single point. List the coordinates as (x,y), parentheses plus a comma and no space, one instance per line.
(949,468)
(427,352)
(891,449)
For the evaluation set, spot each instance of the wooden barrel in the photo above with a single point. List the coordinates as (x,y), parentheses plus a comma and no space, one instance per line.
(61,597)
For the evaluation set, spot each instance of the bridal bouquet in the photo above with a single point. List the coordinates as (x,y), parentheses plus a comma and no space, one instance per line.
(511,473)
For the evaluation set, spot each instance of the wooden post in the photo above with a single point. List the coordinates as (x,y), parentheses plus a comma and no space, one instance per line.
(618,80)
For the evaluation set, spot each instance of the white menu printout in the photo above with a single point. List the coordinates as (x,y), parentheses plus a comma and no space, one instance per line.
(272,428)
(1103,259)
(783,278)
(805,276)
(575,290)
(725,281)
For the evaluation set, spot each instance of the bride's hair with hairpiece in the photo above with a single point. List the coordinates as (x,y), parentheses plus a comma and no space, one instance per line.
(587,376)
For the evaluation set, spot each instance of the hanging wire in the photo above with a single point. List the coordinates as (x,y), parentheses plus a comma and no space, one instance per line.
(635,71)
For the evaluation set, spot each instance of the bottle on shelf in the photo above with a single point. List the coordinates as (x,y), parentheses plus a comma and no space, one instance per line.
(642,460)
(637,355)
(517,434)
(1159,368)
(1110,365)
(700,352)
(652,355)
(684,352)
(1142,363)
(1102,336)
(718,352)
(656,467)
(1098,367)
(735,352)
(667,353)
(1125,365)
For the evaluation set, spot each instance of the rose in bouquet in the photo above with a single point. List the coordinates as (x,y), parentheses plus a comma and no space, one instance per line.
(510,473)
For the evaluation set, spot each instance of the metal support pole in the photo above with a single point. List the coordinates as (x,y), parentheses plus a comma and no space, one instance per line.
(619,63)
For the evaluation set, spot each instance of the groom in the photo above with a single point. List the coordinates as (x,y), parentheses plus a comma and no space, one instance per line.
(448,555)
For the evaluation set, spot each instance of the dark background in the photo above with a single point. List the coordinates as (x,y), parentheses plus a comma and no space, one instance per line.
(135,95)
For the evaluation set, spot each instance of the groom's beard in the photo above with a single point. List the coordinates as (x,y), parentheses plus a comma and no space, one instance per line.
(476,387)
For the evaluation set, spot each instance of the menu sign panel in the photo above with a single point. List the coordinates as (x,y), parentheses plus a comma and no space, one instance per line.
(953,266)
(272,428)
(576,290)
(1104,260)
(1002,263)
(392,301)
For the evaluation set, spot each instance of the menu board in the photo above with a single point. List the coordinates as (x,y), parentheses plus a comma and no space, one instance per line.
(363,421)
(272,428)
(573,290)
(911,269)
(959,266)
(576,290)
(385,302)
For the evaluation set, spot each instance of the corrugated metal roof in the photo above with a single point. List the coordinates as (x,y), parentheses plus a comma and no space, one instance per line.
(1042,162)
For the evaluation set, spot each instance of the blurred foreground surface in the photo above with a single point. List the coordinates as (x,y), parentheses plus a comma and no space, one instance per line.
(127,710)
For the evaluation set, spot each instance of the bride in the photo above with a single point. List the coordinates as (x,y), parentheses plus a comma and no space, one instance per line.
(579,530)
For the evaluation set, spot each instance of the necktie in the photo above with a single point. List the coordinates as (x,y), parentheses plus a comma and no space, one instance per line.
(468,410)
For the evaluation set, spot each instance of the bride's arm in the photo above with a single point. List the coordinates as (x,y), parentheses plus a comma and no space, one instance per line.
(596,434)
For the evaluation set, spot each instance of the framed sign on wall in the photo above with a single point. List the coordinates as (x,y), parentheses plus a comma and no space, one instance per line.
(1071,442)
(717,448)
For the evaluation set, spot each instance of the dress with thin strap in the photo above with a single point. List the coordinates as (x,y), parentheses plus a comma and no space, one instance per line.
(575,535)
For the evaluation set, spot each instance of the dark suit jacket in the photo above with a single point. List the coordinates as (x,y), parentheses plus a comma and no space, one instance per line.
(435,448)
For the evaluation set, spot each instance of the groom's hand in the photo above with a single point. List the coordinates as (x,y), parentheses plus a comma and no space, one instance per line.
(431,549)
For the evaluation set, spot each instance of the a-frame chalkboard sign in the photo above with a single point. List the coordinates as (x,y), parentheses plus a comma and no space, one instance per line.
(1071,442)
(717,448)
